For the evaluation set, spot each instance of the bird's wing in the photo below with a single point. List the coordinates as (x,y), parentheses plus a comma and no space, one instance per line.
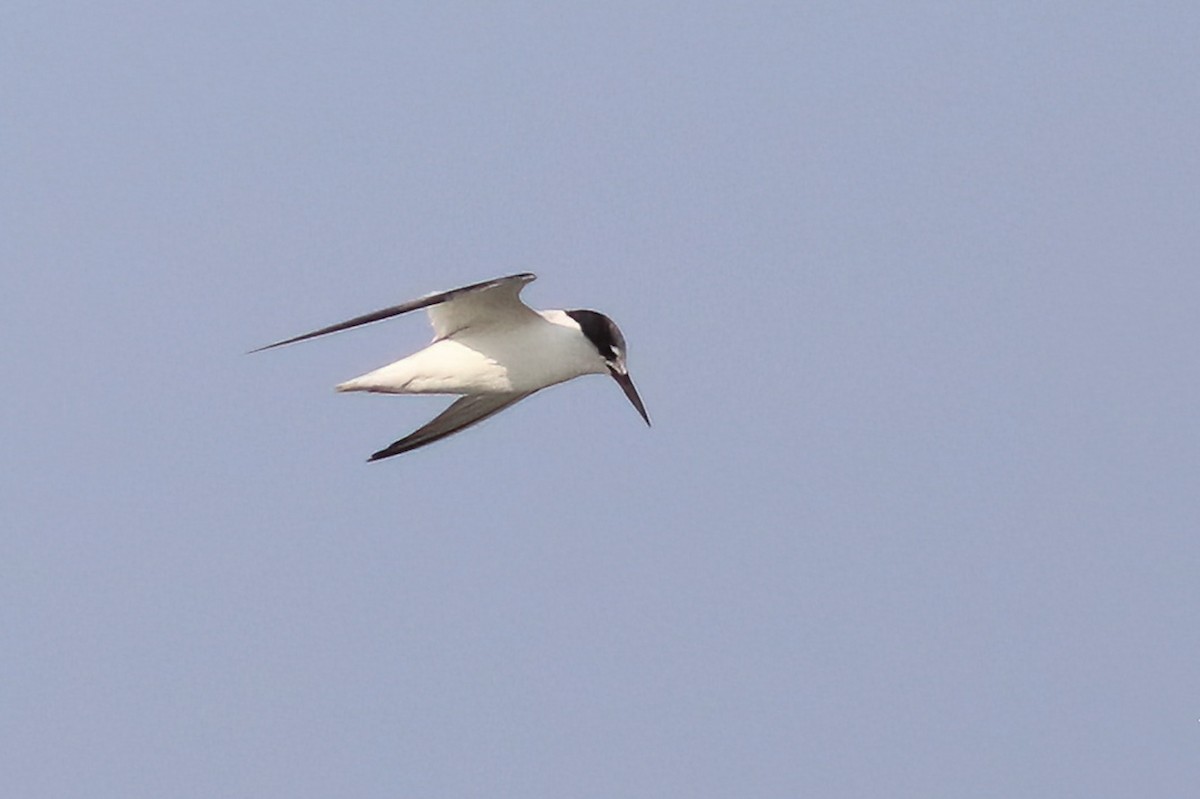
(496,302)
(461,414)
(485,303)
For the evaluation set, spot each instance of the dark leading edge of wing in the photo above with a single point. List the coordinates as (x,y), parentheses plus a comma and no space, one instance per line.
(396,310)
(461,414)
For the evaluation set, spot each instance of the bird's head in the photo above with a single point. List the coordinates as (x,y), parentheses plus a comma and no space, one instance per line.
(606,337)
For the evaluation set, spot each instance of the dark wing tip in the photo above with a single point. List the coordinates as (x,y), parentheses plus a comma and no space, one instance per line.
(389,451)
(267,347)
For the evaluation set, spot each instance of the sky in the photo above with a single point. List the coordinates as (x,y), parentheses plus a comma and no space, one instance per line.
(910,293)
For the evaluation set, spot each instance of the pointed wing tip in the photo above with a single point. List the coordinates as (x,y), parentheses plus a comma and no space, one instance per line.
(283,343)
(390,451)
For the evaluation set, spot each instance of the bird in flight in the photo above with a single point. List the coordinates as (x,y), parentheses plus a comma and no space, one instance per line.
(492,349)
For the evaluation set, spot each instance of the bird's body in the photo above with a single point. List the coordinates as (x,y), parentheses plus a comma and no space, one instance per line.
(493,350)
(497,359)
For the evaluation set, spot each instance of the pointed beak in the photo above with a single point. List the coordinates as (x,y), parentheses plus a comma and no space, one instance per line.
(626,383)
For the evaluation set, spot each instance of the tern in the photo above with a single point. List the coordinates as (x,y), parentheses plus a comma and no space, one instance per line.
(491,348)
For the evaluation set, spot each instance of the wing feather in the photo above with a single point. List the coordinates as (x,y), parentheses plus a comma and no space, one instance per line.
(460,306)
(461,414)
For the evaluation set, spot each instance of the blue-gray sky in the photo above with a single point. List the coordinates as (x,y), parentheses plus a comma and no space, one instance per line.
(911,294)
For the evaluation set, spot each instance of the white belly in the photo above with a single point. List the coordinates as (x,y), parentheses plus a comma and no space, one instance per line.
(523,359)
